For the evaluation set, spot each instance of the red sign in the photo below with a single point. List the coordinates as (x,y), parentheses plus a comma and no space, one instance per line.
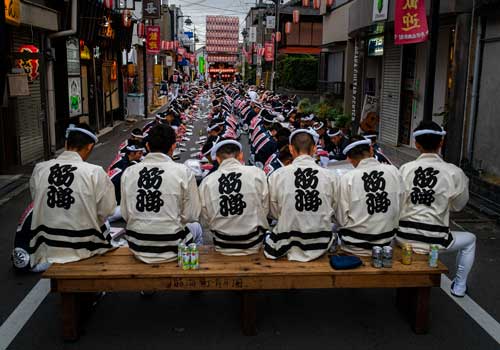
(153,41)
(29,65)
(269,53)
(410,22)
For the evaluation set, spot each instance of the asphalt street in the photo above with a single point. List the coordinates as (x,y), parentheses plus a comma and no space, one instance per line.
(343,319)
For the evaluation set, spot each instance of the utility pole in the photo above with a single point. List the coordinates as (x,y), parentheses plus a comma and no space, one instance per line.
(145,75)
(431,60)
(275,43)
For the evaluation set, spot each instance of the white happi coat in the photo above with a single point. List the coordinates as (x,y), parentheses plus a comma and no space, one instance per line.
(72,200)
(302,199)
(369,205)
(432,188)
(235,205)
(159,197)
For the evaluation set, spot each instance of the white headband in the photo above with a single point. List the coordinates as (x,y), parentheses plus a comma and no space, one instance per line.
(213,127)
(370,136)
(218,145)
(308,118)
(355,144)
(311,132)
(335,134)
(428,131)
(83,131)
(139,136)
(211,148)
(135,149)
(318,126)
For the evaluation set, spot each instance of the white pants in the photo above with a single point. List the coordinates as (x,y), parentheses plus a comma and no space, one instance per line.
(197,232)
(117,215)
(465,245)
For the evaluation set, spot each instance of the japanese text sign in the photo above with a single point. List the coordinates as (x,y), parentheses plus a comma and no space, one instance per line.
(410,22)
(153,41)
(151,9)
(13,12)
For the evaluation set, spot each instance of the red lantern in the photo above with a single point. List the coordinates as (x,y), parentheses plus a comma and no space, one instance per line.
(296,16)
(127,18)
(330,3)
(140,30)
(317,4)
(108,4)
(278,37)
(288,27)
(305,3)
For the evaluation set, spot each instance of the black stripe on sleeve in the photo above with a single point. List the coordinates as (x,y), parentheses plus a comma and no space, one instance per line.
(275,237)
(235,245)
(239,238)
(366,236)
(71,233)
(158,237)
(91,246)
(153,249)
(277,253)
(442,241)
(423,226)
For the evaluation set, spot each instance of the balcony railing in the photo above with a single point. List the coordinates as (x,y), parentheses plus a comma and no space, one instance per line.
(335,88)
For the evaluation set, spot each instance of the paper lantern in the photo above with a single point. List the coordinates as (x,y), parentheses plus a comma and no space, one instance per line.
(305,3)
(288,27)
(140,30)
(330,3)
(296,16)
(317,4)
(278,37)
(108,4)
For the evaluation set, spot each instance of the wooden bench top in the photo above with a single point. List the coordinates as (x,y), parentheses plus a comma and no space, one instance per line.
(120,271)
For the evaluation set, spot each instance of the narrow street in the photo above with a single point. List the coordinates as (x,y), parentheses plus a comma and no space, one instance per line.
(337,183)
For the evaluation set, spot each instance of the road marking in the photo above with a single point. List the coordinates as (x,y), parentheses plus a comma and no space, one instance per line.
(23,312)
(476,312)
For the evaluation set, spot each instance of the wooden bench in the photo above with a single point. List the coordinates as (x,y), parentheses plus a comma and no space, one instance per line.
(119,271)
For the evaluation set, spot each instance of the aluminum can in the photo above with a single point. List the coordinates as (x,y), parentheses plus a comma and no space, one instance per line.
(377,257)
(387,256)
(406,254)
(180,250)
(186,259)
(194,257)
(433,255)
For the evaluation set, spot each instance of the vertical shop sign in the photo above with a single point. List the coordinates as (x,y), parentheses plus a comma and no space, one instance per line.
(410,22)
(153,41)
(13,12)
(269,52)
(75,93)
(150,9)
(380,10)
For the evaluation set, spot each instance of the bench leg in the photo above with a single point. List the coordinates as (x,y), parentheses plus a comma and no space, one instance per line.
(249,313)
(414,303)
(70,304)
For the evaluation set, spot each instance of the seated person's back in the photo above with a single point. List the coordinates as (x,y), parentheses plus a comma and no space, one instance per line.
(159,198)
(235,202)
(369,200)
(302,197)
(71,201)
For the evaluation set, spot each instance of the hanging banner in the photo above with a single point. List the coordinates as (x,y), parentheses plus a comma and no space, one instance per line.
(269,52)
(410,22)
(13,12)
(153,41)
(380,10)
(75,99)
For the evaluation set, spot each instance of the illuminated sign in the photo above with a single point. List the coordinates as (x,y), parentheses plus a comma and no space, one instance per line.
(376,46)
(13,12)
(29,65)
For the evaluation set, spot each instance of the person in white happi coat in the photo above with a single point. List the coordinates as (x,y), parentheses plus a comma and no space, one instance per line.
(369,200)
(71,201)
(160,201)
(235,202)
(302,200)
(433,188)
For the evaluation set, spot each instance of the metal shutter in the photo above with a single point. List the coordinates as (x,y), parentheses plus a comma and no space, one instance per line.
(391,91)
(29,108)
